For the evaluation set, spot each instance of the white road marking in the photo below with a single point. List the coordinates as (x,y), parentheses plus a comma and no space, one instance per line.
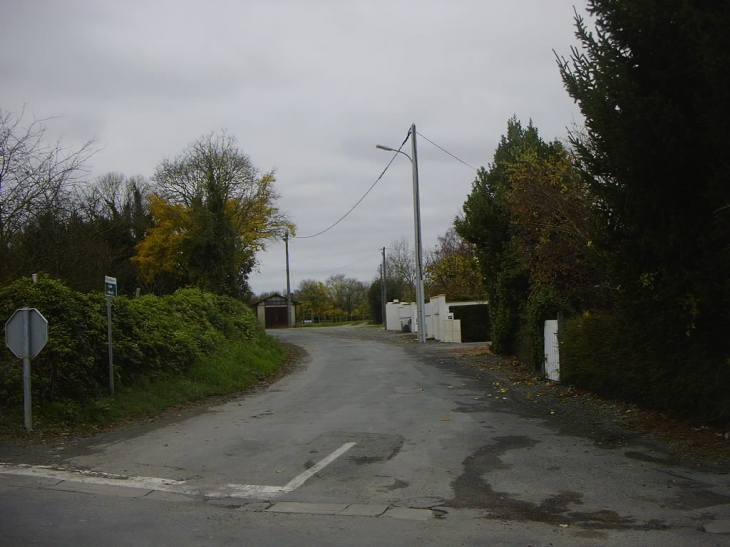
(92,477)
(170,485)
(299,480)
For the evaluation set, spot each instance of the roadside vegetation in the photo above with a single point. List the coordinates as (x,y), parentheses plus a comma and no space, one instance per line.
(168,351)
(622,232)
(181,246)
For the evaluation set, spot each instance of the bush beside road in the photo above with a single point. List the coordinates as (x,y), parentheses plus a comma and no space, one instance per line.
(168,351)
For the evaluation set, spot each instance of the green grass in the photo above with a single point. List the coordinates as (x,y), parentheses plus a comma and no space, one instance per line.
(233,368)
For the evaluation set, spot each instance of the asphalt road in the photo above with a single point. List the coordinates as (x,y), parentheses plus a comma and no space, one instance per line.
(369,441)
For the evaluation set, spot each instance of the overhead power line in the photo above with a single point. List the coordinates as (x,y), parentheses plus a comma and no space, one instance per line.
(444,150)
(343,217)
(359,201)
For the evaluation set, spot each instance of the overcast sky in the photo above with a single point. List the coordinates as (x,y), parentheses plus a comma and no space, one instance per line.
(308,87)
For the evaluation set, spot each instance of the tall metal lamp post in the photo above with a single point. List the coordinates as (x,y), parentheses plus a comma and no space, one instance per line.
(289,318)
(421,310)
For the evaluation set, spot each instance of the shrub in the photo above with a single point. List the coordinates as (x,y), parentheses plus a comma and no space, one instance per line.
(544,302)
(152,337)
(69,366)
(610,355)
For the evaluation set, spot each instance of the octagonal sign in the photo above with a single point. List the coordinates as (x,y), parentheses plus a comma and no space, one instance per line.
(26,343)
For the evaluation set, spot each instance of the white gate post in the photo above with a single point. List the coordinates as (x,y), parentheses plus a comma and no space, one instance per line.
(552,350)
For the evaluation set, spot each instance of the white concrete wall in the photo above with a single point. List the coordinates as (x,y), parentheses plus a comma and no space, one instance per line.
(435,320)
(398,314)
(451,331)
(391,315)
(409,315)
(439,326)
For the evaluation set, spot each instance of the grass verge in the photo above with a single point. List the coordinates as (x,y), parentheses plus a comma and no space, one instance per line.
(235,367)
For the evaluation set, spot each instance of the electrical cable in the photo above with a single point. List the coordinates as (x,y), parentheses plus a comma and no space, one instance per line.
(364,195)
(449,153)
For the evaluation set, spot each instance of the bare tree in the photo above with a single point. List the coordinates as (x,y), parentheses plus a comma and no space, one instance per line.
(401,266)
(36,178)
(112,193)
(117,199)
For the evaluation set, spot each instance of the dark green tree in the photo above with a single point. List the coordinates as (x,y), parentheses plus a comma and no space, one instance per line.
(653,82)
(85,237)
(117,218)
(487,224)
(60,244)
(37,179)
(395,290)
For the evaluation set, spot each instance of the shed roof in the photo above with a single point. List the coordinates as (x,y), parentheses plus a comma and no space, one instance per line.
(277,298)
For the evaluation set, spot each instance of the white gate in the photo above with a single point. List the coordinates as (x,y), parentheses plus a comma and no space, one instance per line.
(552,352)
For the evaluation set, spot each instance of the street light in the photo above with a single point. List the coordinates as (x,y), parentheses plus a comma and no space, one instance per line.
(420,304)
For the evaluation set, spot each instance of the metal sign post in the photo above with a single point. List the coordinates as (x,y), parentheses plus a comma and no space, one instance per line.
(26,333)
(110,288)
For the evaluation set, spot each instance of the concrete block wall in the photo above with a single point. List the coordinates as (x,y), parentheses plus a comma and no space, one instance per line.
(440,325)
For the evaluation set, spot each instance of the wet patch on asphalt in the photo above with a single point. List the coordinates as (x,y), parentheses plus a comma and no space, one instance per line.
(468,408)
(397,485)
(473,492)
(495,385)
(374,448)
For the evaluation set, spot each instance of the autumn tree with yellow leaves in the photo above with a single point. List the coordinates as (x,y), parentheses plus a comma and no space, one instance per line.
(212,211)
(452,268)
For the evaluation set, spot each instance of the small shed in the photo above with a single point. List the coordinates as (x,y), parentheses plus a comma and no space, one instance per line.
(273,312)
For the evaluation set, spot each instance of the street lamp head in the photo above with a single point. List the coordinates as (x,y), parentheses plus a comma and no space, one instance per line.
(389,149)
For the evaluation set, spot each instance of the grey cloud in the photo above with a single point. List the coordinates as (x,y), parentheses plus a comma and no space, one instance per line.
(308,87)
